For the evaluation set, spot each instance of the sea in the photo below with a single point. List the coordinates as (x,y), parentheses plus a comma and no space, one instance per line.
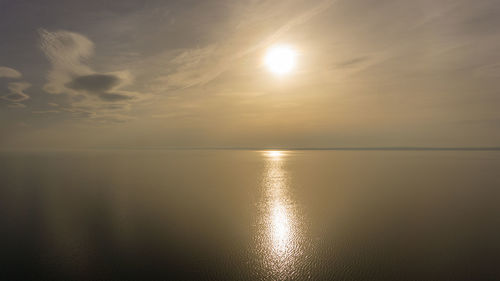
(222,214)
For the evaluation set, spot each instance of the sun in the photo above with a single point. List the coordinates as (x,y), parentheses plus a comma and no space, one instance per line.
(280,59)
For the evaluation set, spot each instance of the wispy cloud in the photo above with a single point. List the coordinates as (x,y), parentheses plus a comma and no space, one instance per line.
(298,20)
(16,105)
(66,51)
(8,72)
(17,94)
(44,111)
(198,66)
(90,92)
(16,90)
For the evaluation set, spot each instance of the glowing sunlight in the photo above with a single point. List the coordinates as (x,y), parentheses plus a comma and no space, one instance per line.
(280,59)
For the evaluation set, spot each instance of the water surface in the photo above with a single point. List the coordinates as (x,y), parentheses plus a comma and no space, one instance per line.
(249,215)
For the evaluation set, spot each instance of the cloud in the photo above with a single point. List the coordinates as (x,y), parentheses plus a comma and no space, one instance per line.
(198,66)
(45,111)
(16,105)
(8,72)
(17,92)
(113,118)
(94,82)
(103,86)
(352,62)
(66,51)
(115,96)
(298,20)
(89,91)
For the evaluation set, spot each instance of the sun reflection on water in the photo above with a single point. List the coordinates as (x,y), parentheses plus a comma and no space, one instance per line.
(279,229)
(274,154)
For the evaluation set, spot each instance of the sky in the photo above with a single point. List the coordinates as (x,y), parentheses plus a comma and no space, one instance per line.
(369,73)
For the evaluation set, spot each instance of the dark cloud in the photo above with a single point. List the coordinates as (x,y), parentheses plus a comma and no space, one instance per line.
(115,107)
(100,85)
(94,82)
(114,97)
(16,97)
(17,94)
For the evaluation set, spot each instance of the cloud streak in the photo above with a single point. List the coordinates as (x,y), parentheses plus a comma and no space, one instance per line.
(7,72)
(199,66)
(16,105)
(17,94)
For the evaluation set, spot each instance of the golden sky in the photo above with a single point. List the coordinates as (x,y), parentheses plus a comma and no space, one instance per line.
(193,73)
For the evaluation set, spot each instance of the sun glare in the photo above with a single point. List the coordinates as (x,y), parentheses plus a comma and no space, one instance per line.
(280,59)
(274,154)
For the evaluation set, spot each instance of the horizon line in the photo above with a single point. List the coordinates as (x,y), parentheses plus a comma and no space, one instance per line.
(365,148)
(330,148)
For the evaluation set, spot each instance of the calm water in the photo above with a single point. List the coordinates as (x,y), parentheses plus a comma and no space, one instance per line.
(250,215)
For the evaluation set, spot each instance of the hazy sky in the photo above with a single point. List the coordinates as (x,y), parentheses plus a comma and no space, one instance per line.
(190,73)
